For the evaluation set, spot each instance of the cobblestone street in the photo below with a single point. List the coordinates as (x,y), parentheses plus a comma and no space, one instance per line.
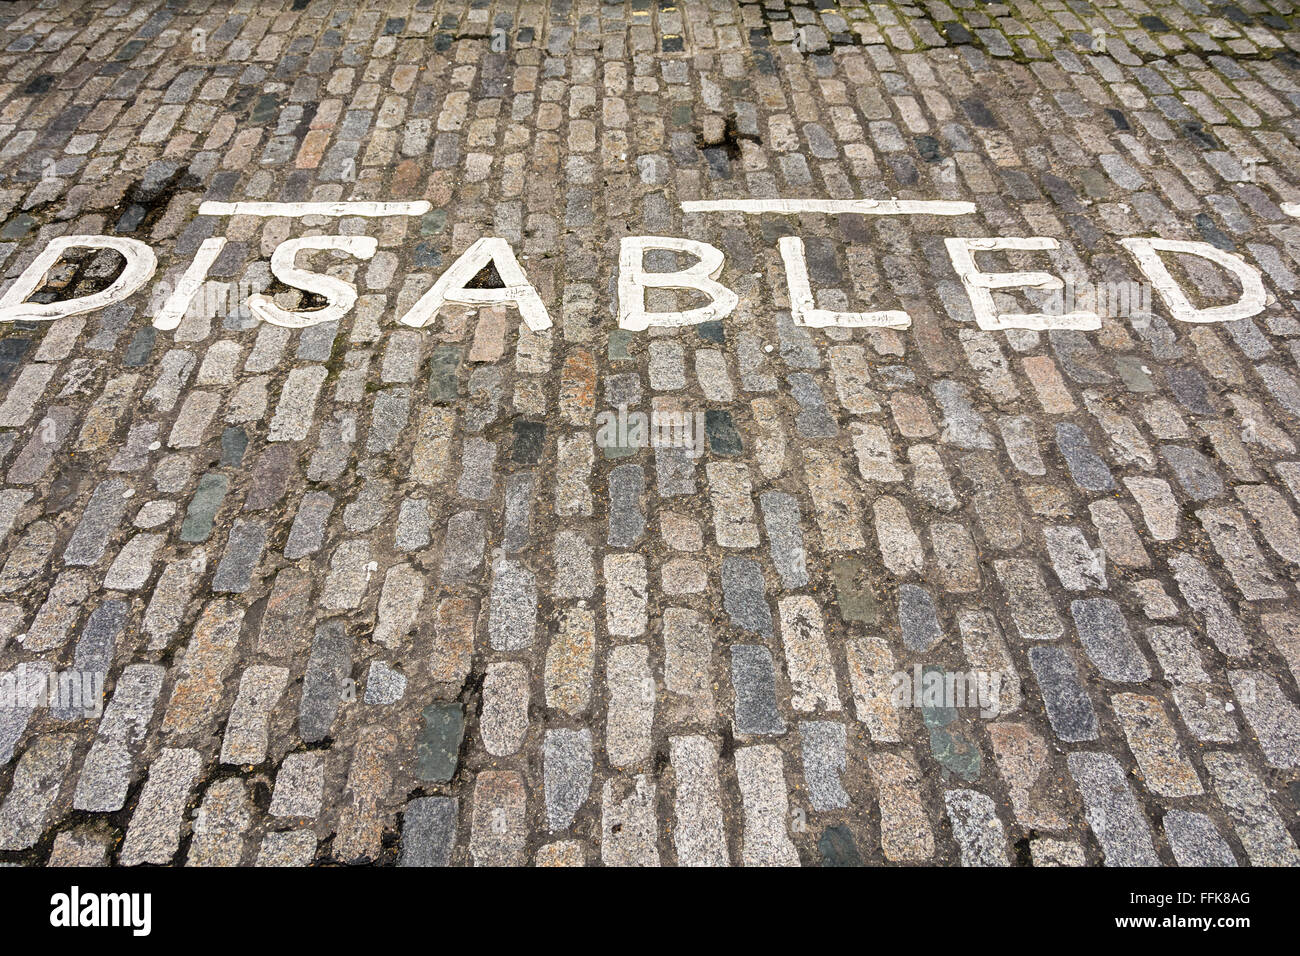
(635,466)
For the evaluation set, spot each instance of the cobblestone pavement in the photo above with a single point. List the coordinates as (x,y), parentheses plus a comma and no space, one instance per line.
(368,592)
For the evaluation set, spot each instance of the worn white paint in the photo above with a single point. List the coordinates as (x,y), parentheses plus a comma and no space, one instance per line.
(633,279)
(141,263)
(979,285)
(450,286)
(862,207)
(173,310)
(701,276)
(1147,252)
(341,296)
(1291,208)
(803,310)
(296,210)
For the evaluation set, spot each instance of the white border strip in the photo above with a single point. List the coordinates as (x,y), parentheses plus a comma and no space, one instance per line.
(865,207)
(296,210)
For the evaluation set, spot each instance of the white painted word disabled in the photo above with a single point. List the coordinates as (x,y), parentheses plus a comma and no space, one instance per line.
(456,284)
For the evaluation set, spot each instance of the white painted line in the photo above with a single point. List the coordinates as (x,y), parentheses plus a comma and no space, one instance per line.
(295,210)
(862,207)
